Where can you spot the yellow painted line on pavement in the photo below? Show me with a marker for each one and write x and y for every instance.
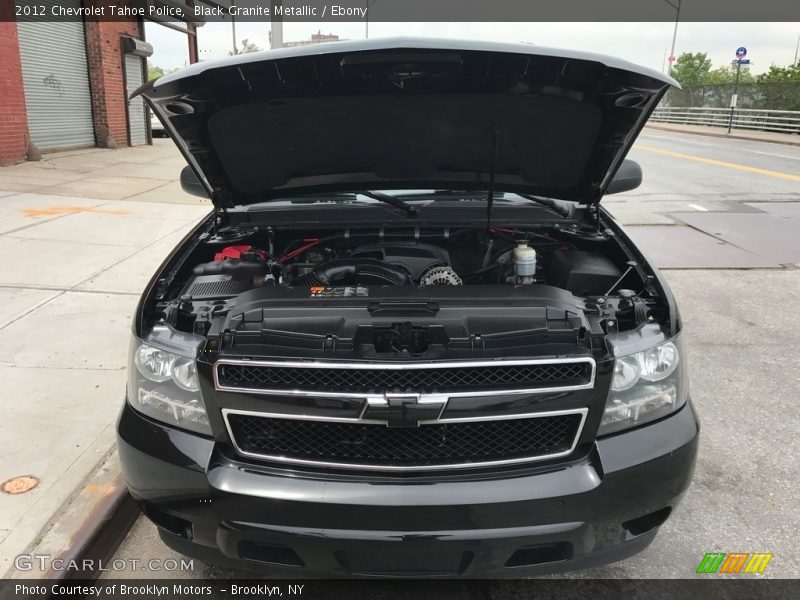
(720, 163)
(51, 211)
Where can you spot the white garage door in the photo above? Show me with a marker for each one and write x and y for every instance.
(56, 82)
(137, 112)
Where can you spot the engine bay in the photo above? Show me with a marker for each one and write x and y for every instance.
(422, 292)
(423, 258)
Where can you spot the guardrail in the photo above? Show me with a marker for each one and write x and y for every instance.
(783, 121)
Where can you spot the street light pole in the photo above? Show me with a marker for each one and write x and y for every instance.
(674, 33)
(276, 28)
(368, 4)
(233, 29)
(796, 50)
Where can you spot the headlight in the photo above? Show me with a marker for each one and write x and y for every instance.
(153, 363)
(184, 374)
(164, 385)
(646, 386)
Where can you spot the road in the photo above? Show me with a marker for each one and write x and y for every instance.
(744, 362)
(709, 165)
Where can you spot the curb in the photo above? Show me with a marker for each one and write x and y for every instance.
(734, 136)
(99, 535)
(86, 530)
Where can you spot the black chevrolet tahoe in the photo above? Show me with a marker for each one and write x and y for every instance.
(408, 340)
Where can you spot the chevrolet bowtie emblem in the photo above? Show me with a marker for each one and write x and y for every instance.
(404, 410)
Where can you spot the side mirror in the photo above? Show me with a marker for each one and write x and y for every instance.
(191, 184)
(628, 177)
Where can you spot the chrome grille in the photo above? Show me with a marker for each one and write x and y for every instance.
(399, 428)
(442, 444)
(370, 378)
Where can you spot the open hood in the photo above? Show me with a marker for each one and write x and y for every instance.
(406, 113)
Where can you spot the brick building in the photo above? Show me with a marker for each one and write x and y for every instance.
(66, 84)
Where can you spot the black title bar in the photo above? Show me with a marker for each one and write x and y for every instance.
(333, 11)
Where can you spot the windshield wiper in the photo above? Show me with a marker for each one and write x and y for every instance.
(391, 200)
(549, 203)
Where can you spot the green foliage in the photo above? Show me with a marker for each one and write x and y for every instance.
(694, 68)
(154, 72)
(691, 68)
(778, 89)
(783, 87)
(777, 74)
(722, 75)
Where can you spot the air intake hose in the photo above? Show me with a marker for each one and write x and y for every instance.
(362, 271)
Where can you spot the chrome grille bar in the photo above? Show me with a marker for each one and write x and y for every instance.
(290, 460)
(586, 381)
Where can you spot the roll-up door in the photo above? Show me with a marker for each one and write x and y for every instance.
(56, 81)
(137, 111)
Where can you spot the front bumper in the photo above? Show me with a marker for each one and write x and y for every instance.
(602, 508)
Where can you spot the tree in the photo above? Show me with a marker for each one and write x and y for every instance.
(691, 68)
(247, 48)
(703, 86)
(777, 89)
(781, 74)
(781, 87)
(154, 72)
(726, 75)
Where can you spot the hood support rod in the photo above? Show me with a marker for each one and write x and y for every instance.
(492, 172)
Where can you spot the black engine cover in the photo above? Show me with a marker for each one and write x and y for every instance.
(416, 258)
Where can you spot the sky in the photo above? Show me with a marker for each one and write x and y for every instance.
(646, 44)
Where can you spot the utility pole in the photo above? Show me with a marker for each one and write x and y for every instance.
(368, 4)
(233, 29)
(276, 39)
(677, 8)
(796, 49)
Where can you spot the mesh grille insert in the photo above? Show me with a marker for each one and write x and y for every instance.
(437, 444)
(495, 377)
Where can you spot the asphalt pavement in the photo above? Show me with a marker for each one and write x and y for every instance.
(739, 309)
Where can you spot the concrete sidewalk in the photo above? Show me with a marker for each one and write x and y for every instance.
(143, 174)
(736, 134)
(81, 233)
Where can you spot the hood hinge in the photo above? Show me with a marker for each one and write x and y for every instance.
(220, 219)
(594, 208)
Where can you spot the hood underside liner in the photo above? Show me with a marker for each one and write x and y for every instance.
(398, 115)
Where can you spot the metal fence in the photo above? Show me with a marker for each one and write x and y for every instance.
(783, 121)
(774, 95)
